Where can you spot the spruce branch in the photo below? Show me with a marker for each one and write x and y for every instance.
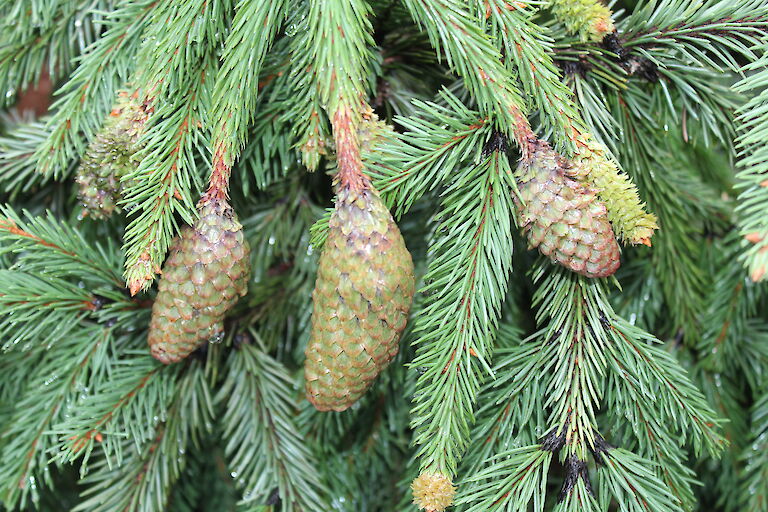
(43, 36)
(144, 480)
(579, 498)
(57, 378)
(514, 482)
(677, 45)
(67, 282)
(178, 37)
(649, 376)
(576, 484)
(755, 480)
(655, 371)
(465, 283)
(682, 201)
(437, 140)
(725, 393)
(495, 391)
(340, 67)
(511, 407)
(753, 177)
(53, 248)
(87, 96)
(283, 270)
(571, 310)
(707, 33)
(37, 310)
(18, 158)
(591, 100)
(218, 493)
(262, 443)
(630, 479)
(180, 42)
(689, 94)
(121, 408)
(269, 154)
(470, 53)
(529, 50)
(241, 64)
(303, 110)
(340, 70)
(632, 407)
(163, 184)
(727, 321)
(711, 36)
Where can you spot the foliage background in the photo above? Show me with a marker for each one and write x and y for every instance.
(667, 363)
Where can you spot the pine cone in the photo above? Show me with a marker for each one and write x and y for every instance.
(563, 217)
(363, 292)
(630, 222)
(205, 274)
(109, 157)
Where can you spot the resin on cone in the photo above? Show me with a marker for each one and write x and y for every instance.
(361, 300)
(205, 274)
(562, 217)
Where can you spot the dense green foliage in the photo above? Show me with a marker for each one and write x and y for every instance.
(531, 387)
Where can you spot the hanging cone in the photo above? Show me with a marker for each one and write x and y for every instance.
(563, 217)
(110, 156)
(363, 292)
(205, 274)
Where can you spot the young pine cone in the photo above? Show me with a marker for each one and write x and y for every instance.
(109, 157)
(563, 217)
(205, 274)
(630, 222)
(362, 295)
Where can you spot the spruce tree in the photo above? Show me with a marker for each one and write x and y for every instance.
(474, 255)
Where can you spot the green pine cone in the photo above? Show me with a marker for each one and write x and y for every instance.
(99, 180)
(361, 300)
(205, 274)
(590, 19)
(109, 157)
(563, 217)
(631, 223)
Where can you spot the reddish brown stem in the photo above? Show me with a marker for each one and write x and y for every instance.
(218, 184)
(350, 173)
